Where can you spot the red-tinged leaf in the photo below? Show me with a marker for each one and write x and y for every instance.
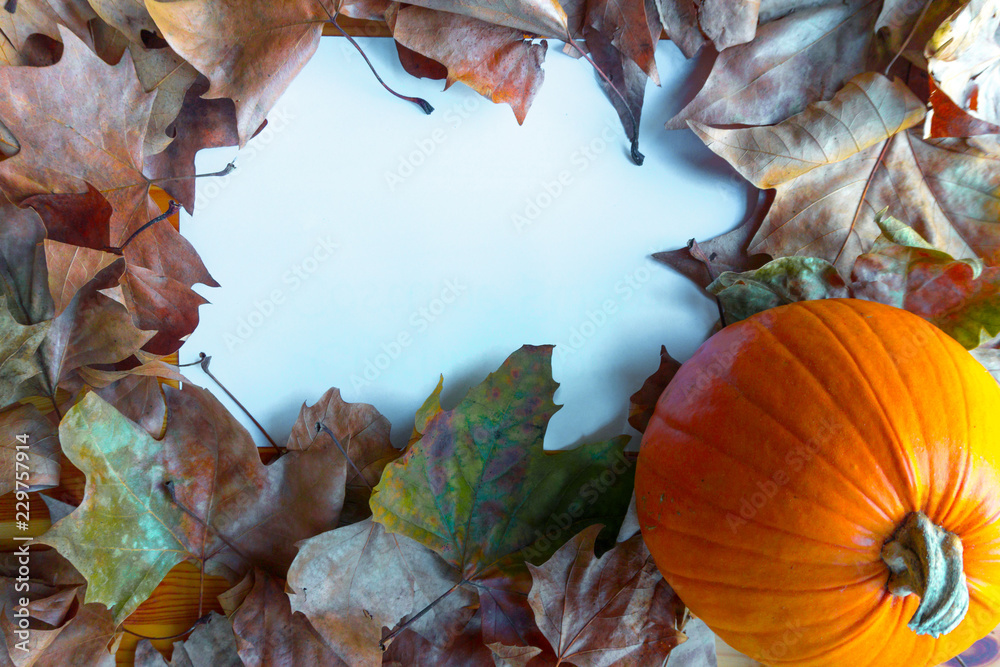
(43, 449)
(946, 119)
(643, 402)
(419, 65)
(201, 123)
(269, 634)
(75, 219)
(961, 301)
(540, 17)
(964, 59)
(804, 57)
(71, 267)
(163, 304)
(91, 138)
(210, 644)
(353, 581)
(20, 29)
(495, 61)
(363, 433)
(626, 25)
(612, 610)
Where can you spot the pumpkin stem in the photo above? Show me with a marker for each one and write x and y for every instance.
(926, 560)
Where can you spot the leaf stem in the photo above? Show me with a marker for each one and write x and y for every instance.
(225, 171)
(203, 362)
(321, 427)
(637, 157)
(384, 643)
(419, 101)
(172, 208)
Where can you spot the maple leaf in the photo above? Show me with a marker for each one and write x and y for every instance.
(462, 489)
(139, 398)
(107, 154)
(42, 454)
(201, 493)
(827, 209)
(964, 59)
(269, 633)
(71, 267)
(18, 344)
(803, 57)
(200, 124)
(598, 612)
(363, 433)
(546, 18)
(352, 581)
(211, 643)
(495, 61)
(19, 29)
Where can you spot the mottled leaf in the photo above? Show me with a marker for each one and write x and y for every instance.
(779, 282)
(495, 61)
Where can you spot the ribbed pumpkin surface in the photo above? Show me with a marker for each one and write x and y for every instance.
(786, 452)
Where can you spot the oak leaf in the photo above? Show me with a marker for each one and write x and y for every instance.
(20, 28)
(643, 402)
(612, 610)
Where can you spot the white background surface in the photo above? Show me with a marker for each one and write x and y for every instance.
(413, 203)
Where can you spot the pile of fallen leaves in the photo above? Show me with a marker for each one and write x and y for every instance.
(870, 126)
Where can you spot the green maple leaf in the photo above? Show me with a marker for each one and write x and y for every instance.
(123, 510)
(478, 489)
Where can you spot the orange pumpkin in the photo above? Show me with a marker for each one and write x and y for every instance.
(820, 483)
